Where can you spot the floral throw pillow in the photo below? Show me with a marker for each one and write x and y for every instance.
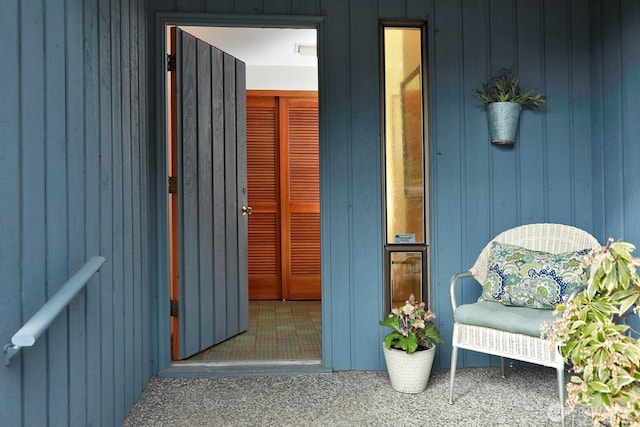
(521, 277)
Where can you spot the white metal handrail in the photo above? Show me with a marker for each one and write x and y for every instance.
(39, 322)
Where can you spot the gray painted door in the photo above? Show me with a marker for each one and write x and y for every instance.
(211, 128)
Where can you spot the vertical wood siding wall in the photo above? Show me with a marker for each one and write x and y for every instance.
(73, 184)
(572, 163)
(615, 83)
(75, 163)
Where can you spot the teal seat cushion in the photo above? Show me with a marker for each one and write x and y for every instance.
(519, 320)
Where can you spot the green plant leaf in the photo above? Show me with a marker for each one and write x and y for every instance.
(624, 274)
(578, 324)
(431, 333)
(600, 387)
(408, 344)
(622, 249)
(390, 338)
(391, 322)
(628, 302)
(607, 265)
(624, 380)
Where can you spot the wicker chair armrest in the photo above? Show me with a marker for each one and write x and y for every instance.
(574, 292)
(452, 284)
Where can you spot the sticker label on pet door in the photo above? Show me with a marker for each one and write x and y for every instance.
(405, 238)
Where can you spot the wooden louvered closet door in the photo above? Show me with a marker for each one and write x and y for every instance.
(262, 195)
(300, 198)
(284, 193)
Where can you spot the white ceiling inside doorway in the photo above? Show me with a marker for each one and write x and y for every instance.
(260, 46)
(270, 54)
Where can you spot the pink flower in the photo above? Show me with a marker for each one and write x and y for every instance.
(407, 309)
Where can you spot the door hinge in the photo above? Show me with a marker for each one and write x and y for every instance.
(173, 307)
(173, 185)
(171, 62)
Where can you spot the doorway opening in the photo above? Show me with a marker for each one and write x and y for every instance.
(281, 197)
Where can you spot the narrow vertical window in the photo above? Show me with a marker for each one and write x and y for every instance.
(405, 160)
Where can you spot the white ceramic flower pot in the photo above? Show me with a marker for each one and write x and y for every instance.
(409, 373)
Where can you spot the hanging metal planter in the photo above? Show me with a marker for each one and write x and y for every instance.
(504, 100)
(503, 122)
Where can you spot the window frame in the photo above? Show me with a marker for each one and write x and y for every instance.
(425, 246)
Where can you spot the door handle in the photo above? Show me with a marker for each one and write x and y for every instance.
(246, 210)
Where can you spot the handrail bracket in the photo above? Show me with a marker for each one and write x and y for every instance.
(10, 350)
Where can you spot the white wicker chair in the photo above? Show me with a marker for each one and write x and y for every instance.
(553, 238)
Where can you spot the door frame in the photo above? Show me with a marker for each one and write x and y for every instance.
(160, 304)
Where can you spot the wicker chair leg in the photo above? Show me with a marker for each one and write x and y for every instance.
(561, 391)
(502, 366)
(452, 374)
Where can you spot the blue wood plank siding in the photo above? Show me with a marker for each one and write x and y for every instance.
(557, 171)
(615, 112)
(80, 160)
(11, 238)
(73, 175)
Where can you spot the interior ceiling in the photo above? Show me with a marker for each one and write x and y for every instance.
(260, 46)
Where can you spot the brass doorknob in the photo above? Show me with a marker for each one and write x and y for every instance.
(246, 210)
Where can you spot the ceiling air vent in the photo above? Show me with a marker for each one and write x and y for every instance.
(305, 49)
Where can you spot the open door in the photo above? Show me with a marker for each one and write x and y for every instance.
(209, 104)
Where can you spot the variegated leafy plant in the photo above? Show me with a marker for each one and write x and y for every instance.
(597, 337)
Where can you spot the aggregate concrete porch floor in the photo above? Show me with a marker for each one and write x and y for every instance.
(526, 397)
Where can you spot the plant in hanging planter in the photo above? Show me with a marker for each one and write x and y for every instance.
(506, 88)
(410, 348)
(504, 100)
(596, 339)
(413, 327)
